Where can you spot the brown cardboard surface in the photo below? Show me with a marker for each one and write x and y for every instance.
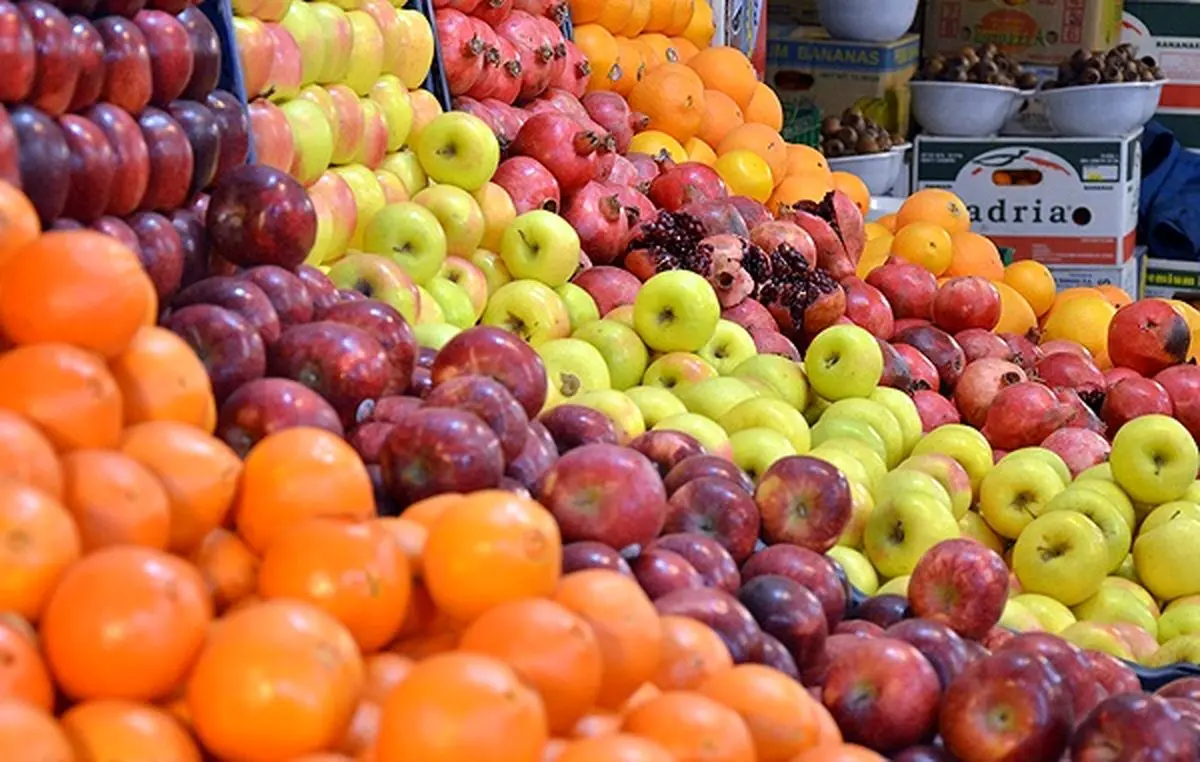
(1033, 31)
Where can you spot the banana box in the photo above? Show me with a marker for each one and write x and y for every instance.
(1170, 32)
(1127, 276)
(1173, 279)
(1060, 201)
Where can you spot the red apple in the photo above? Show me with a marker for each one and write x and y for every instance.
(390, 409)
(438, 450)
(271, 134)
(923, 753)
(204, 136)
(807, 568)
(719, 508)
(962, 584)
(942, 646)
(610, 287)
(803, 501)
(859, 628)
(127, 8)
(1184, 688)
(45, 161)
(261, 216)
(666, 449)
(1182, 383)
(1083, 692)
(775, 656)
(368, 440)
(1114, 675)
(171, 160)
(267, 405)
(238, 295)
(1140, 725)
(119, 229)
(256, 53)
(194, 238)
(494, 352)
(320, 288)
(578, 556)
(90, 50)
(161, 251)
(789, 612)
(127, 74)
(537, 455)
(1132, 398)
(171, 54)
(723, 613)
(10, 160)
(132, 157)
(1148, 336)
(230, 347)
(58, 58)
(388, 327)
(573, 426)
(883, 610)
(707, 556)
(699, 466)
(93, 168)
(494, 405)
(286, 292)
(233, 122)
(206, 54)
(18, 55)
(660, 571)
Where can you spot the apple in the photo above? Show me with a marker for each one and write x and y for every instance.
(347, 120)
(171, 161)
(313, 139)
(804, 501)
(714, 564)
(304, 25)
(493, 352)
(611, 287)
(459, 214)
(93, 168)
(469, 278)
(879, 418)
(807, 568)
(857, 568)
(337, 215)
(622, 314)
(413, 67)
(394, 191)
(1154, 459)
(963, 443)
(387, 326)
(1149, 724)
(714, 397)
(1061, 554)
(160, 250)
(789, 612)
(571, 426)
(405, 165)
(828, 429)
(657, 404)
(721, 612)
(542, 246)
(389, 95)
(274, 144)
(1117, 535)
(457, 309)
(1161, 559)
(580, 305)
(573, 367)
(238, 295)
(89, 50)
(530, 310)
(372, 149)
(756, 449)
(287, 293)
(377, 277)
(19, 59)
(57, 57)
(718, 508)
(1052, 615)
(410, 235)
(945, 650)
(368, 196)
(785, 377)
(1116, 606)
(660, 571)
(1113, 494)
(287, 70)
(498, 212)
(624, 413)
(676, 311)
(902, 528)
(494, 405)
(729, 347)
(259, 215)
(267, 405)
(948, 473)
(677, 369)
(1016, 492)
(460, 149)
(366, 62)
(1178, 509)
(902, 407)
(764, 412)
(842, 362)
(1180, 618)
(256, 52)
(171, 54)
(229, 345)
(880, 611)
(666, 449)
(205, 47)
(338, 35)
(579, 556)
(961, 584)
(436, 450)
(271, 10)
(1042, 455)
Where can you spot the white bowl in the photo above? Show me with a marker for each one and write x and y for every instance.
(867, 20)
(879, 171)
(882, 206)
(1101, 111)
(963, 109)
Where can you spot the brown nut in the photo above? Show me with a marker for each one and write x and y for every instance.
(867, 144)
(830, 126)
(848, 135)
(834, 148)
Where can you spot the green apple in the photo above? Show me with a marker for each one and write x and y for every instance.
(850, 466)
(456, 305)
(843, 361)
(493, 269)
(573, 367)
(879, 418)
(428, 309)
(409, 234)
(1100, 471)
(392, 97)
(470, 279)
(368, 197)
(755, 450)
(580, 305)
(780, 373)
(1048, 456)
(1192, 493)
(973, 527)
(676, 311)
(705, 430)
(949, 474)
(1142, 594)
(656, 403)
(847, 428)
(1154, 459)
(541, 246)
(498, 213)
(1018, 618)
(1117, 538)
(1053, 616)
(860, 510)
(1181, 617)
(858, 569)
(529, 309)
(815, 409)
(675, 369)
(964, 444)
(1185, 648)
(336, 29)
(435, 335)
(1111, 604)
(1176, 509)
(915, 482)
(313, 139)
(461, 218)
(1165, 559)
(458, 149)
(624, 412)
(765, 412)
(902, 406)
(729, 347)
(378, 278)
(621, 348)
(1127, 570)
(1015, 493)
(305, 27)
(366, 63)
(714, 397)
(895, 586)
(405, 165)
(1114, 494)
(867, 457)
(622, 314)
(902, 527)
(1096, 636)
(1062, 555)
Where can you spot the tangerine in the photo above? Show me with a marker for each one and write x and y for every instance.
(1035, 282)
(1016, 316)
(38, 541)
(27, 456)
(692, 726)
(746, 174)
(672, 96)
(115, 500)
(765, 108)
(803, 159)
(940, 207)
(162, 379)
(600, 47)
(1083, 320)
(631, 64)
(23, 674)
(685, 49)
(28, 733)
(924, 244)
(116, 729)
(839, 753)
(1115, 295)
(656, 143)
(700, 28)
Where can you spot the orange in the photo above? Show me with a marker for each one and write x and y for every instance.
(127, 730)
(29, 733)
(23, 674)
(297, 474)
(721, 116)
(875, 254)
(664, 49)
(763, 141)
(693, 727)
(199, 472)
(461, 706)
(1034, 281)
(700, 28)
(853, 186)
(38, 541)
(700, 152)
(924, 244)
(625, 624)
(839, 753)
(888, 221)
(586, 11)
(68, 392)
(1083, 320)
(550, 648)
(802, 159)
(614, 15)
(777, 709)
(765, 108)
(809, 186)
(79, 287)
(490, 548)
(672, 96)
(727, 70)
(941, 207)
(1016, 316)
(19, 225)
(637, 19)
(229, 568)
(746, 174)
(598, 44)
(27, 456)
(1115, 295)
(162, 379)
(426, 512)
(615, 748)
(384, 671)
(660, 15)
(1075, 292)
(356, 572)
(681, 15)
(655, 143)
(651, 56)
(691, 653)
(115, 500)
(685, 48)
(632, 64)
(410, 537)
(974, 254)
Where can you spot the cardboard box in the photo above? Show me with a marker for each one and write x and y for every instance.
(1033, 31)
(1061, 201)
(1173, 279)
(1170, 31)
(1127, 276)
(815, 75)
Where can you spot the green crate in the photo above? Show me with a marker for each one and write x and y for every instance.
(802, 123)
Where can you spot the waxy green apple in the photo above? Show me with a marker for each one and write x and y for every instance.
(756, 449)
(1165, 559)
(843, 361)
(916, 482)
(1049, 457)
(1015, 493)
(1062, 555)
(458, 148)
(461, 218)
(1095, 636)
(949, 474)
(492, 267)
(714, 397)
(843, 461)
(781, 374)
(1053, 616)
(729, 347)
(676, 311)
(378, 278)
(1117, 537)
(542, 246)
(580, 305)
(1114, 494)
(860, 510)
(879, 418)
(765, 412)
(656, 403)
(457, 309)
(705, 430)
(428, 309)
(392, 97)
(902, 527)
(368, 197)
(470, 279)
(870, 460)
(573, 367)
(895, 586)
(676, 369)
(622, 314)
(848, 428)
(529, 309)
(1180, 617)
(435, 335)
(975, 528)
(1111, 605)
(622, 350)
(410, 235)
(498, 213)
(366, 62)
(1176, 509)
(858, 569)
(1017, 618)
(624, 412)
(964, 444)
(902, 406)
(405, 165)
(1154, 459)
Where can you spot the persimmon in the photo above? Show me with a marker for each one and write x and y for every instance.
(115, 500)
(38, 541)
(101, 730)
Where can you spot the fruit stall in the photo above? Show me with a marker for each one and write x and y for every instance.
(541, 381)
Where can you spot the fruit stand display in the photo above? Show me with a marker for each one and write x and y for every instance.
(588, 421)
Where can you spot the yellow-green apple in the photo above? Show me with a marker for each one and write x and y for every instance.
(1048, 456)
(656, 403)
(1142, 594)
(1017, 618)
(902, 406)
(1176, 509)
(1154, 459)
(530, 310)
(245, 8)
(781, 374)
(1180, 617)
(350, 128)
(321, 97)
(1102, 471)
(868, 458)
(1165, 559)
(864, 503)
(410, 235)
(272, 10)
(435, 335)
(858, 569)
(848, 428)
(377, 278)
(306, 29)
(974, 527)
(389, 93)
(393, 189)
(879, 418)
(1111, 605)
(1117, 538)
(714, 397)
(843, 361)
(843, 461)
(284, 82)
(580, 305)
(766, 412)
(949, 474)
(460, 216)
(803, 501)
(390, 28)
(572, 368)
(492, 267)
(368, 197)
(706, 431)
(469, 278)
(405, 165)
(457, 308)
(728, 348)
(625, 414)
(271, 134)
(895, 586)
(459, 149)
(675, 369)
(425, 108)
(1015, 493)
(313, 139)
(255, 51)
(622, 350)
(1127, 570)
(1097, 636)
(964, 444)
(756, 449)
(623, 314)
(413, 66)
(366, 62)
(902, 527)
(1192, 493)
(540, 245)
(1185, 648)
(373, 148)
(337, 215)
(498, 213)
(1114, 494)
(917, 482)
(428, 309)
(1053, 616)
(676, 311)
(339, 40)
(1142, 644)
(1062, 555)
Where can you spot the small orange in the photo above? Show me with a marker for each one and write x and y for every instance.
(115, 500)
(426, 512)
(691, 653)
(650, 54)
(685, 49)
(700, 152)
(853, 186)
(1016, 316)
(681, 15)
(23, 674)
(924, 244)
(637, 19)
(727, 70)
(974, 254)
(888, 221)
(19, 225)
(721, 116)
(38, 541)
(765, 108)
(27, 456)
(1083, 320)
(764, 141)
(692, 726)
(615, 748)
(660, 15)
(162, 379)
(664, 49)
(802, 159)
(1035, 282)
(1115, 295)
(632, 65)
(410, 537)
(615, 15)
(776, 708)
(672, 96)
(746, 174)
(941, 207)
(809, 186)
(600, 47)
(29, 733)
(700, 28)
(228, 567)
(839, 753)
(655, 143)
(127, 730)
(586, 11)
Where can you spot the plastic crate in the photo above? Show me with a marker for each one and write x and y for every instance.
(802, 123)
(435, 82)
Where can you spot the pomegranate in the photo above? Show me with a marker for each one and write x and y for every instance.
(569, 104)
(1024, 351)
(751, 315)
(966, 302)
(463, 50)
(600, 220)
(868, 308)
(1133, 398)
(753, 212)
(505, 81)
(558, 43)
(1148, 336)
(492, 12)
(724, 254)
(934, 409)
(529, 184)
(554, 10)
(1182, 383)
(610, 287)
(717, 217)
(924, 373)
(978, 343)
(1065, 345)
(686, 183)
(941, 349)
(647, 168)
(909, 288)
(611, 111)
(1079, 415)
(1065, 370)
(534, 48)
(491, 41)
(1023, 415)
(462, 6)
(563, 107)
(616, 169)
(508, 120)
(775, 343)
(664, 241)
(896, 371)
(576, 72)
(1080, 449)
(837, 228)
(636, 204)
(770, 235)
(981, 381)
(471, 106)
(1114, 376)
(562, 146)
